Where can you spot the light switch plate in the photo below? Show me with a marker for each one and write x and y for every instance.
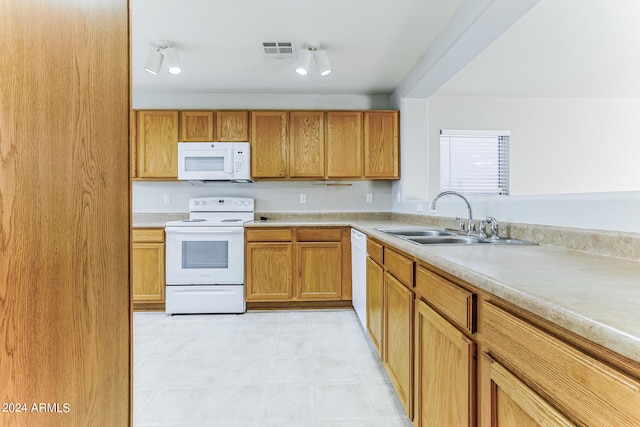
(369, 197)
(303, 198)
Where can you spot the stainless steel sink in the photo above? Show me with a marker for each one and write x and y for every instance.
(416, 232)
(442, 236)
(439, 240)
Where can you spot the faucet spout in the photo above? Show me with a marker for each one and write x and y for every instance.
(455, 193)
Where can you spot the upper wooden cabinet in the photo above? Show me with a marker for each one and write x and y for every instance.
(156, 148)
(284, 144)
(196, 126)
(306, 144)
(381, 145)
(269, 144)
(232, 126)
(344, 144)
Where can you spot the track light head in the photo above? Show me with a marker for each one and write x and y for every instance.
(312, 50)
(156, 56)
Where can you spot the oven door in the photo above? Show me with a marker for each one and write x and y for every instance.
(205, 255)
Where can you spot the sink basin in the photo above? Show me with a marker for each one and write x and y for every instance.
(417, 232)
(439, 240)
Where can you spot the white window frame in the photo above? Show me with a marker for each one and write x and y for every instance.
(474, 161)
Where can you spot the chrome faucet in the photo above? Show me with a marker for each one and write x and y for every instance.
(470, 226)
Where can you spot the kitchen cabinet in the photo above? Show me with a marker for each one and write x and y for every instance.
(232, 126)
(297, 264)
(306, 144)
(269, 264)
(445, 372)
(269, 143)
(375, 298)
(381, 145)
(344, 145)
(196, 126)
(398, 339)
(319, 264)
(532, 377)
(148, 268)
(156, 147)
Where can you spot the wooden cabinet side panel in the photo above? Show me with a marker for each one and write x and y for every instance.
(381, 145)
(445, 378)
(269, 144)
(344, 144)
(232, 126)
(374, 303)
(157, 140)
(269, 271)
(584, 389)
(196, 126)
(306, 144)
(398, 339)
(319, 270)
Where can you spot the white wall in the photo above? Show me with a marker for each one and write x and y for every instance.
(605, 210)
(271, 196)
(557, 145)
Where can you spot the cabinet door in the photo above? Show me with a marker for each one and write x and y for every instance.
(381, 145)
(269, 271)
(319, 270)
(445, 381)
(196, 126)
(269, 144)
(148, 272)
(398, 339)
(344, 144)
(306, 144)
(232, 126)
(157, 142)
(375, 298)
(509, 402)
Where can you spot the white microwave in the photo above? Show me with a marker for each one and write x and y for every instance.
(214, 161)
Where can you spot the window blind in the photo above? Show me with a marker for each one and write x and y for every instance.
(474, 162)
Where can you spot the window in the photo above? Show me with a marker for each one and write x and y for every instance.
(474, 162)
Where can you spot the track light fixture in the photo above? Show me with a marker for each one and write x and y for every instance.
(161, 51)
(312, 50)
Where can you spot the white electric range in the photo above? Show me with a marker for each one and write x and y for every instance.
(205, 257)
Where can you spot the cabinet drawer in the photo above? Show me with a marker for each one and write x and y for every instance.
(400, 266)
(374, 249)
(270, 235)
(585, 389)
(448, 298)
(143, 235)
(319, 235)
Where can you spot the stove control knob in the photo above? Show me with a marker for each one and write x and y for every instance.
(196, 203)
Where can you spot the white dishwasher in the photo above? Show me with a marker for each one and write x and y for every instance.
(359, 274)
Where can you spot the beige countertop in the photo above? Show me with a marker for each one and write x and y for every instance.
(594, 296)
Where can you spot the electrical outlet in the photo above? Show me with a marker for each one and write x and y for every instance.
(369, 197)
(420, 207)
(167, 198)
(303, 198)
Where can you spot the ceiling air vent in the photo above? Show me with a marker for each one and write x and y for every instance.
(278, 50)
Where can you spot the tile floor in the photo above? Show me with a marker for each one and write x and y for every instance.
(310, 368)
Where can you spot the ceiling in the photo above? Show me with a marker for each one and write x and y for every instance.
(371, 49)
(585, 48)
(560, 48)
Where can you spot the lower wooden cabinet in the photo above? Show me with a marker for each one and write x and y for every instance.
(269, 273)
(398, 339)
(565, 383)
(148, 271)
(297, 264)
(375, 298)
(445, 377)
